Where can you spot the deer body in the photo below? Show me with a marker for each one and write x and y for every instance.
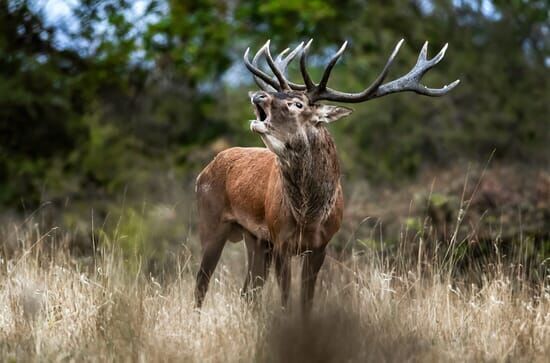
(248, 189)
(286, 199)
(283, 205)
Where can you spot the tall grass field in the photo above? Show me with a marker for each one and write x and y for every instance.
(370, 306)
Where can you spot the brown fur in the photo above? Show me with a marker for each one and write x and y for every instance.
(284, 202)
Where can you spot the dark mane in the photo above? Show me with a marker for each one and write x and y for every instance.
(310, 171)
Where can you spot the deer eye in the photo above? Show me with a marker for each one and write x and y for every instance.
(298, 104)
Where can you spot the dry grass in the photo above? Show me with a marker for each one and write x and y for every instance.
(53, 308)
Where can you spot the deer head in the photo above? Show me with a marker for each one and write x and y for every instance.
(284, 116)
(286, 110)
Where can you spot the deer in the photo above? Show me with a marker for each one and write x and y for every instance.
(286, 199)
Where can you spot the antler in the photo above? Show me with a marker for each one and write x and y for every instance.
(408, 82)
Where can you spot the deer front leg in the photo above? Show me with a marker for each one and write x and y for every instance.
(212, 250)
(282, 269)
(259, 260)
(310, 269)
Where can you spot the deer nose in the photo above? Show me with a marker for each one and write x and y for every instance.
(259, 98)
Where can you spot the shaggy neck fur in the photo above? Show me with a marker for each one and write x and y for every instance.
(310, 173)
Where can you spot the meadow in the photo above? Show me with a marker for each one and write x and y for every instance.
(109, 109)
(369, 307)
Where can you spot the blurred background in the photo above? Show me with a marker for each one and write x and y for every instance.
(110, 108)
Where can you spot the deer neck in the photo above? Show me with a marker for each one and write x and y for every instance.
(310, 175)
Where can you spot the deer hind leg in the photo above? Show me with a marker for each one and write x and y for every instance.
(282, 269)
(212, 246)
(310, 269)
(259, 261)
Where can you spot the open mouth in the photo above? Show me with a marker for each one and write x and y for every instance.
(261, 108)
(260, 113)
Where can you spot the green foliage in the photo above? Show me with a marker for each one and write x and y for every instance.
(191, 40)
(144, 233)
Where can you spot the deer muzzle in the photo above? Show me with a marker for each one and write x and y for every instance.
(260, 100)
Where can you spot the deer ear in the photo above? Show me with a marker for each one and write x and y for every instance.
(330, 113)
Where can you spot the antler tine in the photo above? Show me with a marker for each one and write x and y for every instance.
(280, 77)
(423, 55)
(382, 76)
(279, 58)
(326, 74)
(283, 65)
(282, 62)
(439, 55)
(257, 72)
(436, 92)
(303, 67)
(263, 85)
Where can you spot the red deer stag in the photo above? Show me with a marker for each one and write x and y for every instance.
(286, 199)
